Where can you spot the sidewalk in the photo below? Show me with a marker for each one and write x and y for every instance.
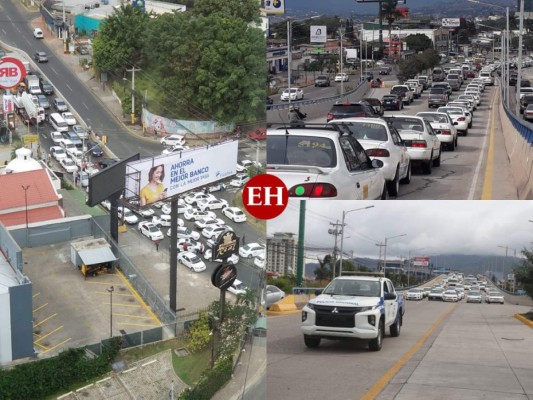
(251, 367)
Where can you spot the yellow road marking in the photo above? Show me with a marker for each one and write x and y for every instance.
(375, 390)
(38, 308)
(40, 345)
(124, 305)
(36, 334)
(48, 334)
(138, 297)
(104, 283)
(57, 345)
(489, 171)
(44, 320)
(115, 294)
(152, 325)
(36, 294)
(129, 316)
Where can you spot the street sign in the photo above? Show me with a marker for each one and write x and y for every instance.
(275, 6)
(451, 22)
(318, 33)
(12, 71)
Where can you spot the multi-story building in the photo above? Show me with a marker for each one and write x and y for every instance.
(281, 253)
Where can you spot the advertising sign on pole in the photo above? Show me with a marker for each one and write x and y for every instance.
(275, 6)
(451, 22)
(421, 262)
(12, 71)
(7, 104)
(318, 33)
(154, 179)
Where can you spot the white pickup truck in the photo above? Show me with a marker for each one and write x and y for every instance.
(354, 307)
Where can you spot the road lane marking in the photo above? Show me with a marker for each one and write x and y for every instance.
(48, 334)
(55, 72)
(69, 87)
(129, 315)
(41, 346)
(44, 320)
(486, 194)
(480, 160)
(123, 305)
(36, 294)
(57, 345)
(38, 308)
(85, 105)
(132, 324)
(3, 30)
(375, 390)
(116, 294)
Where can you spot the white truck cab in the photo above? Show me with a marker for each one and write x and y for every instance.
(360, 306)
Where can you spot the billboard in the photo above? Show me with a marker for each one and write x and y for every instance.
(275, 6)
(318, 33)
(154, 179)
(451, 22)
(421, 262)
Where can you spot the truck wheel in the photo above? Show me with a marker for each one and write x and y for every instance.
(375, 344)
(397, 326)
(311, 341)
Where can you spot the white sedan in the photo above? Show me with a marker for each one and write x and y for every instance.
(194, 214)
(295, 94)
(385, 144)
(127, 215)
(234, 213)
(56, 137)
(239, 180)
(251, 250)
(212, 231)
(211, 204)
(172, 140)
(458, 116)
(174, 149)
(191, 261)
(167, 208)
(242, 166)
(342, 77)
(260, 261)
(188, 244)
(69, 118)
(205, 222)
(146, 212)
(184, 232)
(422, 143)
(194, 197)
(58, 152)
(233, 259)
(149, 230)
(163, 220)
(69, 165)
(443, 126)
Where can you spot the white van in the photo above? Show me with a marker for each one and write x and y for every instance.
(58, 122)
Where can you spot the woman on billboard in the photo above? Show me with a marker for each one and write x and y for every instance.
(154, 190)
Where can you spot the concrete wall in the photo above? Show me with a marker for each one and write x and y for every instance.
(21, 321)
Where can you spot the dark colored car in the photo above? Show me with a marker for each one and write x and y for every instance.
(94, 148)
(350, 110)
(385, 70)
(376, 105)
(525, 101)
(525, 83)
(368, 75)
(40, 57)
(437, 97)
(46, 87)
(322, 80)
(444, 85)
(392, 102)
(513, 78)
(43, 101)
(106, 162)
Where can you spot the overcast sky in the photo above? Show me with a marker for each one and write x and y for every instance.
(437, 227)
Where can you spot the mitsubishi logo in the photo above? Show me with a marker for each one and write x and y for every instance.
(335, 311)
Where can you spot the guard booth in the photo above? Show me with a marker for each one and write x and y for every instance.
(92, 256)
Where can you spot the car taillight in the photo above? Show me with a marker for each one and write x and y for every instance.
(461, 119)
(378, 152)
(313, 190)
(444, 97)
(329, 117)
(445, 132)
(418, 143)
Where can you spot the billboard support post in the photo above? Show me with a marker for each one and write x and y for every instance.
(173, 253)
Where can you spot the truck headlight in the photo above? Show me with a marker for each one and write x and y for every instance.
(304, 316)
(370, 308)
(372, 320)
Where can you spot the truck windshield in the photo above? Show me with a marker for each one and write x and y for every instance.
(353, 288)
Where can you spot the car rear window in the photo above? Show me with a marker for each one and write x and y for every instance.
(436, 91)
(413, 124)
(374, 102)
(347, 108)
(367, 131)
(301, 150)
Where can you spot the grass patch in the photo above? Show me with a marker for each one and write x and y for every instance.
(259, 224)
(191, 367)
(139, 353)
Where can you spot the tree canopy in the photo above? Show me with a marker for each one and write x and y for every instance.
(208, 63)
(524, 273)
(418, 42)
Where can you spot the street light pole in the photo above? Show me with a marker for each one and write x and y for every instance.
(344, 213)
(289, 56)
(111, 289)
(25, 188)
(341, 33)
(385, 250)
(519, 77)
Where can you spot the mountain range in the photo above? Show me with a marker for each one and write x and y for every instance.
(355, 10)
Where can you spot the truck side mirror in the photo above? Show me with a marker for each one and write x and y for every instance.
(390, 296)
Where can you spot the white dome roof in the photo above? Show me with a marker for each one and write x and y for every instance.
(23, 162)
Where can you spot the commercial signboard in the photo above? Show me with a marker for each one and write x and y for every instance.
(12, 71)
(421, 262)
(451, 22)
(318, 33)
(275, 6)
(154, 179)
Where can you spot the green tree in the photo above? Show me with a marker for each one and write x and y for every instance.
(418, 42)
(524, 273)
(391, 14)
(199, 334)
(243, 10)
(119, 44)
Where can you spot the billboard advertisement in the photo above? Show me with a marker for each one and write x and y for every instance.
(155, 179)
(318, 33)
(421, 262)
(275, 6)
(451, 22)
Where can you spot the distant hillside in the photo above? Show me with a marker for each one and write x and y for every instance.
(468, 264)
(454, 8)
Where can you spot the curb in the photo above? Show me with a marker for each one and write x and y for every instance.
(524, 320)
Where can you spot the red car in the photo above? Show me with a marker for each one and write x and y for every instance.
(259, 134)
(470, 74)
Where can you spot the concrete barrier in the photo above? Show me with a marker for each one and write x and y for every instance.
(285, 305)
(524, 320)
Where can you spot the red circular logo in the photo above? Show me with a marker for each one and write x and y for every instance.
(12, 71)
(265, 196)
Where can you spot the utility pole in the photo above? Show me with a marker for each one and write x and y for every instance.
(380, 265)
(335, 232)
(133, 92)
(301, 237)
